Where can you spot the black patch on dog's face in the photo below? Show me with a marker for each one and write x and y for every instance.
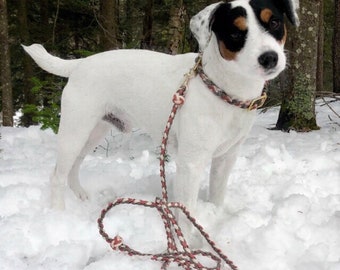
(270, 16)
(230, 27)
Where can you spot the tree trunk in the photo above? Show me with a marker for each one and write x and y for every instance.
(177, 27)
(29, 98)
(321, 42)
(298, 105)
(45, 28)
(336, 48)
(5, 68)
(109, 14)
(128, 33)
(146, 42)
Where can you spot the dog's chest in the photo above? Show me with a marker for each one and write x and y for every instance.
(235, 123)
(212, 122)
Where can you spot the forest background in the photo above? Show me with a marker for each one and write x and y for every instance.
(79, 28)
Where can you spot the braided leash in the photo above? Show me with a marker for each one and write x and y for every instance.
(184, 258)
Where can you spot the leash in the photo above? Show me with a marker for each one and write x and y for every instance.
(182, 255)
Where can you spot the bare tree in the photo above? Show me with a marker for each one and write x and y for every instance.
(177, 27)
(109, 17)
(26, 119)
(5, 69)
(146, 42)
(336, 48)
(321, 42)
(298, 104)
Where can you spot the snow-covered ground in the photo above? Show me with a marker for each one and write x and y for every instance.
(282, 207)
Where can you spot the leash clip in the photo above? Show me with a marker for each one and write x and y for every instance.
(193, 71)
(178, 98)
(258, 102)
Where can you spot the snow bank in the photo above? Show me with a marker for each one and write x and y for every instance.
(282, 207)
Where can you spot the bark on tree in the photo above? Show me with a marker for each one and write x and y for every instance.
(298, 104)
(146, 42)
(177, 27)
(336, 48)
(55, 22)
(29, 98)
(45, 28)
(5, 70)
(321, 42)
(109, 16)
(127, 23)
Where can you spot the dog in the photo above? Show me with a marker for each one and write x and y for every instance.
(242, 46)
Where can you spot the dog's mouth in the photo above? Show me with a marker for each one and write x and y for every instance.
(269, 74)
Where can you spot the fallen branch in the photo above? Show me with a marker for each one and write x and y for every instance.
(330, 107)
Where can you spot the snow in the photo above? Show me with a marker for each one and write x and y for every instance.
(281, 211)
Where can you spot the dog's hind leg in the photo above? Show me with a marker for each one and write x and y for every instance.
(97, 134)
(75, 137)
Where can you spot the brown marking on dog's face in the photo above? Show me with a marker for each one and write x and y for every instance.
(241, 23)
(226, 54)
(231, 29)
(265, 15)
(270, 16)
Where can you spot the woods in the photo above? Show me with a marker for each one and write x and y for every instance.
(5, 78)
(73, 29)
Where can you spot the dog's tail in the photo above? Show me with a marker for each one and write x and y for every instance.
(50, 63)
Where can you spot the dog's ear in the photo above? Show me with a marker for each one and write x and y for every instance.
(200, 25)
(290, 8)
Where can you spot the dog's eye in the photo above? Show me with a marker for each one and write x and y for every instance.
(274, 24)
(237, 36)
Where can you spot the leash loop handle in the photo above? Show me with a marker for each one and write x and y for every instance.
(185, 257)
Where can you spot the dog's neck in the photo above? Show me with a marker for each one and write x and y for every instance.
(221, 72)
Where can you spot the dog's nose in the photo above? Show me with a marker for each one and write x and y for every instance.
(268, 59)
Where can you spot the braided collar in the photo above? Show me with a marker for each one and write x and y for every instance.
(250, 105)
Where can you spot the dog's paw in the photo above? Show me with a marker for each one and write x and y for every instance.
(82, 195)
(79, 192)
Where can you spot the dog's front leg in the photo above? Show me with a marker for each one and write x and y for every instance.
(187, 183)
(190, 171)
(221, 167)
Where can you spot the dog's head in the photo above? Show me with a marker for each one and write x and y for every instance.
(250, 34)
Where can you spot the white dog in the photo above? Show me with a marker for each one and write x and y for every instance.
(242, 47)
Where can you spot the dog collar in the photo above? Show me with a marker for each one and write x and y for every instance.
(250, 105)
